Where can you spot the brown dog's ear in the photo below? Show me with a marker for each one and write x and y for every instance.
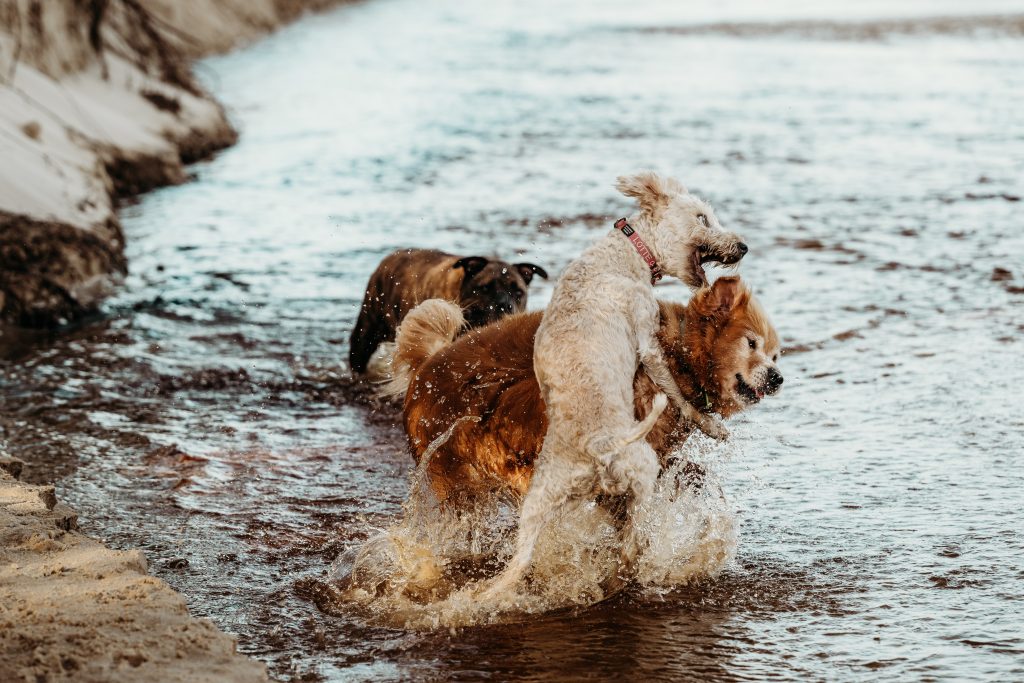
(526, 270)
(471, 264)
(724, 296)
(651, 191)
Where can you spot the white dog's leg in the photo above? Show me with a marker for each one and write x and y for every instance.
(554, 482)
(653, 360)
(638, 465)
(607, 449)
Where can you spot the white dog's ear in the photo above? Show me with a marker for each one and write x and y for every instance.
(675, 186)
(651, 191)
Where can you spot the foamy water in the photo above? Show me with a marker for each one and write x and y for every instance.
(870, 517)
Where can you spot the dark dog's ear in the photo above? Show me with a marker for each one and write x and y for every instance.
(528, 269)
(471, 264)
(724, 296)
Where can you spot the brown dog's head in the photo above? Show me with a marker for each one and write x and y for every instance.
(492, 289)
(733, 347)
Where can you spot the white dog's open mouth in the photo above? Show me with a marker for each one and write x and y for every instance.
(703, 254)
(697, 276)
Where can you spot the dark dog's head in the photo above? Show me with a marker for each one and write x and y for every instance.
(492, 289)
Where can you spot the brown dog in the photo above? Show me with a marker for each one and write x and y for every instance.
(477, 401)
(485, 289)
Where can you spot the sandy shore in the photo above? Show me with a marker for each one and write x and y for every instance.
(72, 609)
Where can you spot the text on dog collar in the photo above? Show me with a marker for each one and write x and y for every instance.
(642, 249)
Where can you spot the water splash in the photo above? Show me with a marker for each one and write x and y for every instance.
(424, 570)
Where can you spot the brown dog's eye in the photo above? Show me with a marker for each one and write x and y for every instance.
(703, 219)
(751, 343)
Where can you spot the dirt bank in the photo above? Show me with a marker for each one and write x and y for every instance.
(72, 609)
(98, 102)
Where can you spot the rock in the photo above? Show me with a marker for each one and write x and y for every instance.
(8, 463)
(26, 498)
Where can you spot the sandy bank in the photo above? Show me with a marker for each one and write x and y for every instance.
(72, 609)
(97, 102)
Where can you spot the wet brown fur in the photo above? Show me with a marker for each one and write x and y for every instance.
(488, 373)
(486, 289)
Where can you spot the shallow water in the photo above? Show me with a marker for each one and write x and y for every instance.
(875, 172)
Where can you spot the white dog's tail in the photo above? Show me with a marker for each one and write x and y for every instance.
(427, 329)
(606, 446)
(644, 426)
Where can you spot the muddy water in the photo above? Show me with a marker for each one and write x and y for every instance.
(875, 169)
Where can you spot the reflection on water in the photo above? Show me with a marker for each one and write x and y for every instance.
(206, 418)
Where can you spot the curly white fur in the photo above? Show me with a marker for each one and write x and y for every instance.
(599, 326)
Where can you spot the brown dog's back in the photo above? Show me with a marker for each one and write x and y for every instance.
(488, 374)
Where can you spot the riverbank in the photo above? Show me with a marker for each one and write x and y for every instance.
(97, 104)
(72, 609)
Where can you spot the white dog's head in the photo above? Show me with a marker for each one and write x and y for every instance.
(682, 229)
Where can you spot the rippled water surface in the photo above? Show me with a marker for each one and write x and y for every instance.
(874, 167)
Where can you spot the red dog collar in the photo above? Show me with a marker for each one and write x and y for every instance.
(641, 248)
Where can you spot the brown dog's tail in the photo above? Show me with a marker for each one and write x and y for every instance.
(427, 329)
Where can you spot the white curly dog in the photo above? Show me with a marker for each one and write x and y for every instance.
(599, 326)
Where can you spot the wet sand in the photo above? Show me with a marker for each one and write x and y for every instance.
(71, 609)
(206, 416)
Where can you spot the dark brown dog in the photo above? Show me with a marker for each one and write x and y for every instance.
(721, 350)
(485, 289)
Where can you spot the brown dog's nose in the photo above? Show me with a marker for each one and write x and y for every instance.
(774, 380)
(742, 248)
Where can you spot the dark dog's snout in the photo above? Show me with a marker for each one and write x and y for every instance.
(774, 380)
(505, 303)
(742, 249)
